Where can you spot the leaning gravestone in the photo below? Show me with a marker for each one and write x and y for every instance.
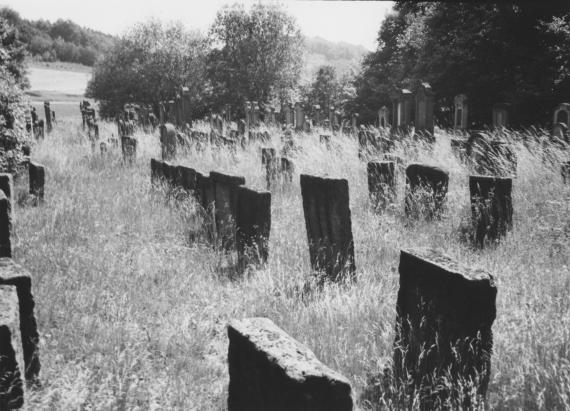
(253, 225)
(269, 370)
(329, 226)
(129, 149)
(443, 328)
(168, 141)
(225, 189)
(381, 183)
(11, 357)
(5, 226)
(426, 191)
(492, 207)
(37, 174)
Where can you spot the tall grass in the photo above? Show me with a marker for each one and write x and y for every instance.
(132, 314)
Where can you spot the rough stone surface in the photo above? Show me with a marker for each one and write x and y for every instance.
(253, 225)
(15, 275)
(426, 191)
(329, 225)
(491, 206)
(225, 205)
(168, 141)
(270, 371)
(444, 318)
(37, 180)
(129, 149)
(5, 226)
(11, 382)
(7, 185)
(381, 183)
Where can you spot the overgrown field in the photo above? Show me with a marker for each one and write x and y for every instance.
(132, 314)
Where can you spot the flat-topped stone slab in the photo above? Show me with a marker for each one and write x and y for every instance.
(269, 370)
(12, 385)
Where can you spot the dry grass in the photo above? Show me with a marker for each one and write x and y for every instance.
(132, 315)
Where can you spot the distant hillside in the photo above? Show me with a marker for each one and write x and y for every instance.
(342, 56)
(63, 40)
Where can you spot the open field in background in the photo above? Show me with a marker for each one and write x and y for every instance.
(132, 314)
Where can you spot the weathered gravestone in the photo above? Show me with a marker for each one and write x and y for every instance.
(299, 117)
(5, 225)
(501, 115)
(492, 207)
(329, 226)
(37, 174)
(169, 172)
(565, 171)
(381, 183)
(402, 110)
(168, 141)
(271, 371)
(7, 186)
(225, 189)
(186, 178)
(129, 150)
(287, 170)
(443, 328)
(426, 191)
(12, 274)
(12, 385)
(269, 161)
(253, 225)
(156, 172)
(47, 112)
(461, 112)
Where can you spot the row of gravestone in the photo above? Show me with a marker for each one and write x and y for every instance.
(19, 337)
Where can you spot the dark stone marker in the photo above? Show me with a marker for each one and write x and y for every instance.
(11, 359)
(426, 191)
(271, 371)
(37, 174)
(225, 189)
(169, 171)
(156, 171)
(381, 183)
(13, 274)
(565, 171)
(168, 141)
(186, 178)
(443, 325)
(47, 112)
(329, 226)
(5, 226)
(206, 190)
(7, 185)
(287, 170)
(491, 206)
(129, 149)
(253, 224)
(269, 160)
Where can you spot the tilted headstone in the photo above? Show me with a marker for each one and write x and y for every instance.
(129, 150)
(461, 112)
(269, 370)
(37, 174)
(426, 191)
(492, 207)
(47, 112)
(12, 386)
(381, 183)
(565, 171)
(329, 226)
(168, 141)
(443, 327)
(253, 225)
(12, 274)
(501, 115)
(225, 188)
(5, 226)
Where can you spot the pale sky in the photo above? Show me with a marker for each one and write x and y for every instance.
(355, 22)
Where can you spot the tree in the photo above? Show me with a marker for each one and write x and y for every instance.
(12, 53)
(150, 64)
(324, 90)
(258, 54)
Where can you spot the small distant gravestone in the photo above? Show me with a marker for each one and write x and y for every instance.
(381, 183)
(5, 225)
(168, 141)
(269, 160)
(129, 149)
(426, 191)
(443, 327)
(37, 174)
(565, 171)
(225, 189)
(307, 126)
(47, 112)
(329, 226)
(253, 225)
(287, 170)
(492, 207)
(269, 370)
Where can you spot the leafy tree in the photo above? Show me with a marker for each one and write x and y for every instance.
(325, 89)
(12, 53)
(150, 64)
(257, 54)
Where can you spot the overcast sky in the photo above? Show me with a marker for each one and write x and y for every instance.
(355, 22)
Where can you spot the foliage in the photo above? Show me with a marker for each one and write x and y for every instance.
(490, 52)
(258, 54)
(150, 63)
(62, 40)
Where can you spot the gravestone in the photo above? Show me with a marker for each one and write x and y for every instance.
(565, 171)
(287, 170)
(186, 106)
(354, 122)
(7, 186)
(299, 117)
(129, 150)
(492, 207)
(225, 189)
(443, 327)
(12, 387)
(560, 132)
(5, 225)
(426, 191)
(269, 370)
(383, 117)
(381, 183)
(562, 114)
(47, 112)
(156, 171)
(501, 115)
(186, 178)
(168, 141)
(255, 108)
(12, 274)
(253, 225)
(269, 161)
(307, 126)
(424, 111)
(329, 226)
(461, 112)
(37, 174)
(402, 110)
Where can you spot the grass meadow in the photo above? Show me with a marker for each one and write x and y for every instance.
(132, 313)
